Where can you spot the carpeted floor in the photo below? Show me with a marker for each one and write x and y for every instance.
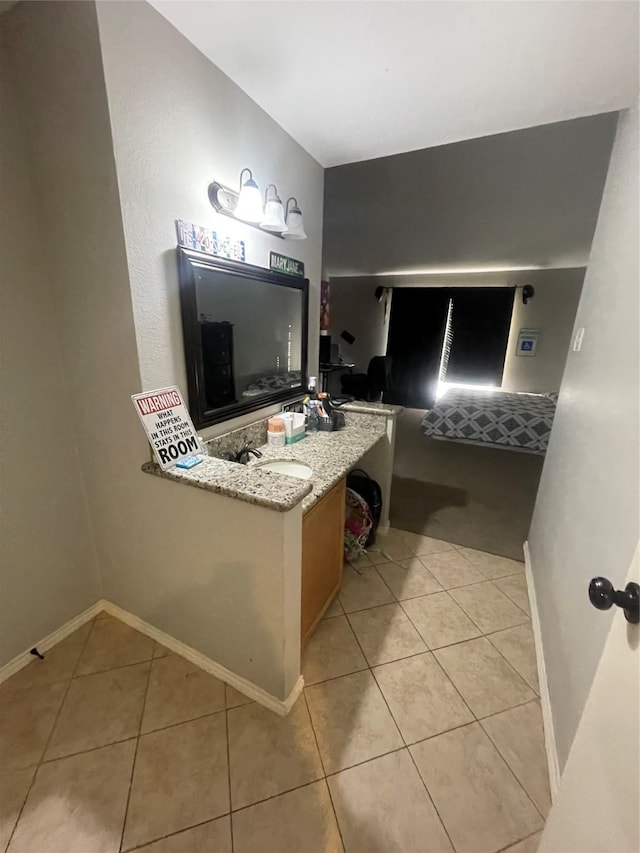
(463, 493)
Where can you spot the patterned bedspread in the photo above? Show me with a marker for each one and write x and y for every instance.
(496, 418)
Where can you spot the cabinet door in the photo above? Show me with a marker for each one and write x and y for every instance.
(322, 557)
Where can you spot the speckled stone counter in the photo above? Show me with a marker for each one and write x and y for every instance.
(329, 454)
(364, 408)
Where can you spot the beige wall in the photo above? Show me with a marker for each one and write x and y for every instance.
(59, 80)
(179, 123)
(552, 311)
(354, 307)
(587, 511)
(48, 565)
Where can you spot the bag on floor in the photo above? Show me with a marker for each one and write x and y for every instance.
(370, 491)
(358, 524)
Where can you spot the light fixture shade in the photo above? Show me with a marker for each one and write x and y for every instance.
(249, 206)
(273, 219)
(295, 225)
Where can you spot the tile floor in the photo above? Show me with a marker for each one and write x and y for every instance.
(419, 729)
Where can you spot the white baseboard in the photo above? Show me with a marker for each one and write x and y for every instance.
(248, 688)
(52, 639)
(545, 701)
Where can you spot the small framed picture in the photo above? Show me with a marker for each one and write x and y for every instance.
(528, 342)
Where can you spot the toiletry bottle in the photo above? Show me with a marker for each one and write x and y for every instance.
(275, 432)
(311, 406)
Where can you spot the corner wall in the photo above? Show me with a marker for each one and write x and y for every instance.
(178, 123)
(49, 570)
(552, 311)
(195, 565)
(587, 512)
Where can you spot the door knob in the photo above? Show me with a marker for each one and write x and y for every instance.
(603, 596)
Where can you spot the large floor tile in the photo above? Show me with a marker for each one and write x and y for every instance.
(77, 804)
(211, 837)
(351, 721)
(334, 609)
(302, 820)
(519, 736)
(234, 698)
(529, 845)
(14, 785)
(332, 651)
(451, 569)
(363, 590)
(180, 779)
(160, 651)
(27, 716)
(488, 683)
(382, 806)
(439, 620)
(386, 633)
(59, 662)
(491, 565)
(180, 691)
(270, 754)
(422, 699)
(421, 545)
(100, 709)
(111, 644)
(488, 607)
(517, 645)
(482, 805)
(516, 588)
(409, 578)
(392, 546)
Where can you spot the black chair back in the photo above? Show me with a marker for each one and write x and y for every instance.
(379, 375)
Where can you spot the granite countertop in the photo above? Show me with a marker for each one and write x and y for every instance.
(329, 454)
(362, 407)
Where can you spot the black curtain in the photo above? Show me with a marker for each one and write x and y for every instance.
(416, 331)
(479, 333)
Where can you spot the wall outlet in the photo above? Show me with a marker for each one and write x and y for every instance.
(577, 341)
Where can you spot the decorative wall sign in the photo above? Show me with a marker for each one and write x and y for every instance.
(166, 421)
(527, 342)
(324, 306)
(289, 266)
(210, 242)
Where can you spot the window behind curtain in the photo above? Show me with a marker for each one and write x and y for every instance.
(478, 334)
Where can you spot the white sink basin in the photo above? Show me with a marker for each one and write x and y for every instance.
(287, 466)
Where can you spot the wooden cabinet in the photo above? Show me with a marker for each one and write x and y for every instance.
(322, 557)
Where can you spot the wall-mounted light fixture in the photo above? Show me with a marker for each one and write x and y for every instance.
(273, 219)
(249, 206)
(295, 225)
(246, 204)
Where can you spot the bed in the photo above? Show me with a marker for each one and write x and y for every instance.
(513, 421)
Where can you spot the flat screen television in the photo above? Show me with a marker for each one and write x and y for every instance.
(245, 336)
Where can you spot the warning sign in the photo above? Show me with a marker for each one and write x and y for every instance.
(168, 425)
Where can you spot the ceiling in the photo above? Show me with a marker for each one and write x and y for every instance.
(352, 81)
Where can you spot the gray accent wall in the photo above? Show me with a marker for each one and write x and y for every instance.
(526, 198)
